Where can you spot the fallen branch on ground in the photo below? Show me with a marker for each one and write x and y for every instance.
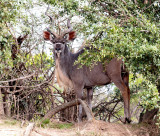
(29, 129)
(70, 104)
(41, 133)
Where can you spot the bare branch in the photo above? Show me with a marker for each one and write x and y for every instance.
(20, 78)
(13, 35)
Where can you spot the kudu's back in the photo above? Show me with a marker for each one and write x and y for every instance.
(89, 76)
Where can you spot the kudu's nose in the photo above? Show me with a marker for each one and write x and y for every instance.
(58, 47)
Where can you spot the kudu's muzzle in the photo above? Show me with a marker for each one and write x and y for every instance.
(58, 49)
(58, 46)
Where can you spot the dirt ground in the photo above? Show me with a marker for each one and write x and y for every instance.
(95, 128)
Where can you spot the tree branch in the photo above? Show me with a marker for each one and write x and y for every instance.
(70, 104)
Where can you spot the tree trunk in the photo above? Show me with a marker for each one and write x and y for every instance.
(7, 107)
(1, 105)
(148, 116)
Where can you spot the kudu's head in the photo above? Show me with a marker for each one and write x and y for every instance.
(59, 40)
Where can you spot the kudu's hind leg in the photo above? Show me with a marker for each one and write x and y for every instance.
(126, 96)
(89, 97)
(114, 70)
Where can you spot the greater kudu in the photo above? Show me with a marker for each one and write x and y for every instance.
(70, 75)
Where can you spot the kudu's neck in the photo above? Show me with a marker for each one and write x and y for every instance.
(64, 62)
(64, 59)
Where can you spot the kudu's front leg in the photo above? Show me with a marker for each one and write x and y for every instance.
(79, 93)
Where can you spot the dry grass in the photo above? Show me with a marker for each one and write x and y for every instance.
(95, 128)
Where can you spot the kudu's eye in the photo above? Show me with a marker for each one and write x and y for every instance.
(65, 36)
(53, 36)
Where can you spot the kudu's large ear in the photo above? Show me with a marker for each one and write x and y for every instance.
(72, 35)
(47, 35)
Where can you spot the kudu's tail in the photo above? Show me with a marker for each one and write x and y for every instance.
(125, 75)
